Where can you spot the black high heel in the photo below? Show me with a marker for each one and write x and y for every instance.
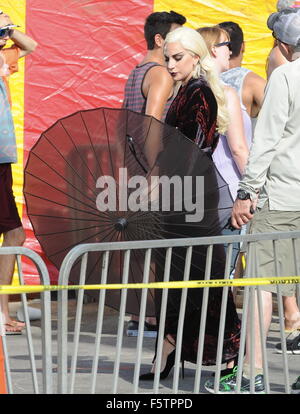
(169, 365)
(228, 371)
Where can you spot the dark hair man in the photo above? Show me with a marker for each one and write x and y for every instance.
(149, 85)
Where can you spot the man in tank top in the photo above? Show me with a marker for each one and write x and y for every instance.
(149, 87)
(249, 85)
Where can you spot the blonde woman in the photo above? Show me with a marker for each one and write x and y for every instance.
(199, 111)
(232, 151)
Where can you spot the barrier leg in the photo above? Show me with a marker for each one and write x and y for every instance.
(3, 389)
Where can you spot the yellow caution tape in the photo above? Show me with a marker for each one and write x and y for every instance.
(8, 289)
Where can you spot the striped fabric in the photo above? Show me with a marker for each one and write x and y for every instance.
(134, 98)
(43, 93)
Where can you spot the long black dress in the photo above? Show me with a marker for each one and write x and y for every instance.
(194, 113)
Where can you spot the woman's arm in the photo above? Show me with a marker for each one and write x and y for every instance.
(24, 42)
(235, 133)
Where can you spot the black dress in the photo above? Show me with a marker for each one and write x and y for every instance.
(194, 113)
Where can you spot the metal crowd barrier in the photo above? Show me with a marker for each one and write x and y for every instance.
(38, 349)
(73, 353)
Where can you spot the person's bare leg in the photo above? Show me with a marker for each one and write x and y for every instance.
(291, 313)
(151, 320)
(168, 347)
(238, 274)
(230, 364)
(267, 317)
(14, 237)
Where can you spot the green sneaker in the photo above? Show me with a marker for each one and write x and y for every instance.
(228, 385)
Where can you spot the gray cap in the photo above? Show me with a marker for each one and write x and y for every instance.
(286, 26)
(283, 4)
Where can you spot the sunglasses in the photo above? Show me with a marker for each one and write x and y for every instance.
(228, 44)
(6, 30)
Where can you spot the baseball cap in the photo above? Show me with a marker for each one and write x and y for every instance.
(286, 26)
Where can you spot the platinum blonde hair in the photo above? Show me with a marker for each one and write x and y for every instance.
(212, 35)
(194, 43)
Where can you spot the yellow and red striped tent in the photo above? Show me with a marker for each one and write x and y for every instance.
(86, 50)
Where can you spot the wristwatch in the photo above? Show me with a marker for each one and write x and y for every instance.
(243, 195)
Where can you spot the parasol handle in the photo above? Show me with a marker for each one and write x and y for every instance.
(121, 224)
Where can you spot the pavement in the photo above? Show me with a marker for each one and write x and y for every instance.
(21, 372)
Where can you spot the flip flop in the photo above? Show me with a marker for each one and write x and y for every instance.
(12, 329)
(18, 324)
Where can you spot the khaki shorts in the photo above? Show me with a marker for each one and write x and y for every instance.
(266, 221)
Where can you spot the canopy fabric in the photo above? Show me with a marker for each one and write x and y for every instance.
(86, 51)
